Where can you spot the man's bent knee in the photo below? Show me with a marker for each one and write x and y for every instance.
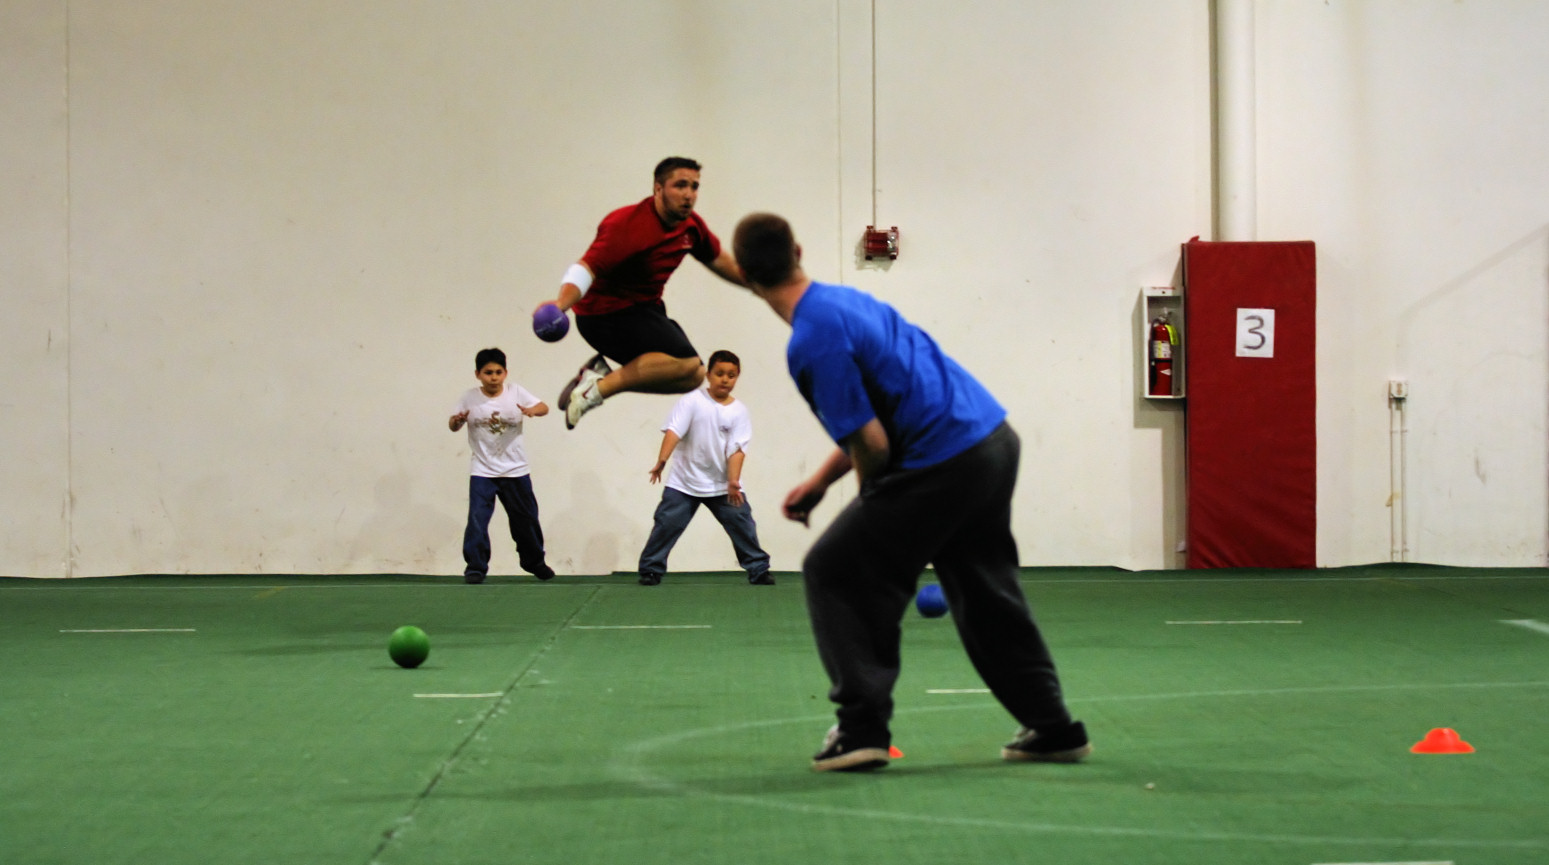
(693, 373)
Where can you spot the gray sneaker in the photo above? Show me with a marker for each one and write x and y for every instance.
(1066, 745)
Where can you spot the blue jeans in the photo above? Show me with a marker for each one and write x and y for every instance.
(521, 506)
(672, 517)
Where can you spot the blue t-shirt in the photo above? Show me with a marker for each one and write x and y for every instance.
(855, 358)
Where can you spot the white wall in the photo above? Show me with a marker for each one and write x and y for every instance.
(290, 226)
(1408, 139)
(34, 290)
(1043, 166)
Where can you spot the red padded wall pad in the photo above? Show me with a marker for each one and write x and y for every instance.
(1252, 421)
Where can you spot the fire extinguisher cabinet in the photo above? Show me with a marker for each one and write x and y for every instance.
(1160, 362)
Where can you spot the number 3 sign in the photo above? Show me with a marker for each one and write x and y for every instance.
(1255, 333)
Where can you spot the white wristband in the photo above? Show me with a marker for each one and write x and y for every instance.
(579, 277)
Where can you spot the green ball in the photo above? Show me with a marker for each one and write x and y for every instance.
(409, 647)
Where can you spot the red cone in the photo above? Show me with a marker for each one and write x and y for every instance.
(1442, 740)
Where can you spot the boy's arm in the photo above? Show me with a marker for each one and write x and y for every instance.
(538, 409)
(669, 441)
(456, 421)
(734, 479)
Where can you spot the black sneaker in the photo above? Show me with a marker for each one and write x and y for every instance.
(841, 756)
(650, 580)
(544, 573)
(1067, 745)
(764, 579)
(473, 579)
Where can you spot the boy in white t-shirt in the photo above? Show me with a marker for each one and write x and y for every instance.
(493, 413)
(713, 430)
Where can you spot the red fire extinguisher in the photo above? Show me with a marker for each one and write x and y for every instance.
(1162, 340)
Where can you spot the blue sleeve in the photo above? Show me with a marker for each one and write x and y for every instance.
(831, 381)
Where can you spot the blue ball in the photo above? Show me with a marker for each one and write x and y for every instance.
(550, 323)
(930, 602)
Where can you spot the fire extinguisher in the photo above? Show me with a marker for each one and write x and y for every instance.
(1162, 340)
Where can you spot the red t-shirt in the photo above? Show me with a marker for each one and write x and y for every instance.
(633, 255)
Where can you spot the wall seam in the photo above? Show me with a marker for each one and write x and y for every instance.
(69, 556)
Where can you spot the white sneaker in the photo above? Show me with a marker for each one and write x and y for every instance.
(573, 395)
(586, 396)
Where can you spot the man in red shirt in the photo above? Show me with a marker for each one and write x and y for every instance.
(616, 289)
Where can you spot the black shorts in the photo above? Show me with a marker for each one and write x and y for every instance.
(628, 333)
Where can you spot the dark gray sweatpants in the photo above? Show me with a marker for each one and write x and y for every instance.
(861, 575)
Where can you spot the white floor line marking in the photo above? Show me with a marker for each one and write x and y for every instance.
(1530, 624)
(629, 762)
(1242, 622)
(958, 691)
(639, 627)
(457, 696)
(128, 631)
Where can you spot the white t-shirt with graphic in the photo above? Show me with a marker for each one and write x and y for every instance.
(709, 433)
(495, 431)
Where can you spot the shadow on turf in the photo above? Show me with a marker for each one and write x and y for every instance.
(798, 779)
(497, 638)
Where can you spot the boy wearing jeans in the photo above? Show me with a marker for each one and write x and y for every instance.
(710, 431)
(493, 413)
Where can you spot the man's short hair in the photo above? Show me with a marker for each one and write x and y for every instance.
(765, 249)
(723, 356)
(487, 356)
(665, 168)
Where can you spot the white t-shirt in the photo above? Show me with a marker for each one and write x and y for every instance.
(495, 431)
(709, 433)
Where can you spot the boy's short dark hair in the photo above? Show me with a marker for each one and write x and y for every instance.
(765, 249)
(488, 356)
(665, 168)
(724, 356)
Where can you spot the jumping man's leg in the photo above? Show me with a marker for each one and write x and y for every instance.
(654, 372)
(656, 354)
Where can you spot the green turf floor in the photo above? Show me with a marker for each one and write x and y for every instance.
(258, 719)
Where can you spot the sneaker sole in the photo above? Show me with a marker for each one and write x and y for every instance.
(564, 399)
(859, 760)
(1073, 755)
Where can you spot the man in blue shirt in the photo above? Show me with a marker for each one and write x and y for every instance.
(937, 464)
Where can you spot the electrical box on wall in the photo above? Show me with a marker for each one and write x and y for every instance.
(881, 242)
(1162, 341)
